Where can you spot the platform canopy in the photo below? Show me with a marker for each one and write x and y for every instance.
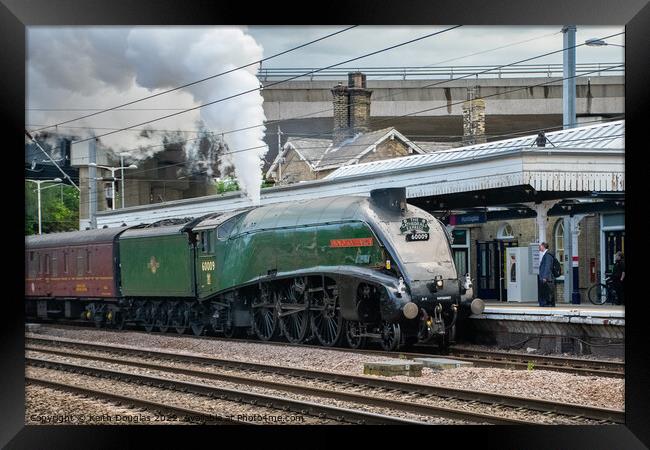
(582, 161)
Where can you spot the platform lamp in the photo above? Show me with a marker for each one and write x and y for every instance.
(112, 179)
(38, 185)
(600, 43)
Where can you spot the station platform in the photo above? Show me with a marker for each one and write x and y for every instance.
(613, 315)
(583, 328)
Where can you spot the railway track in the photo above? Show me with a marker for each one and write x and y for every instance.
(404, 397)
(491, 358)
(187, 414)
(522, 361)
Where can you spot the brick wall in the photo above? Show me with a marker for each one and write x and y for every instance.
(390, 148)
(294, 169)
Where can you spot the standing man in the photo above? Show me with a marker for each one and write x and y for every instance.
(545, 279)
(618, 275)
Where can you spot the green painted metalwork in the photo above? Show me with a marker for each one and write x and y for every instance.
(247, 256)
(157, 265)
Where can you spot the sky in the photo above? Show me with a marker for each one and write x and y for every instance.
(74, 70)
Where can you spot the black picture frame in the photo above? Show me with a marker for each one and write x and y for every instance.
(15, 15)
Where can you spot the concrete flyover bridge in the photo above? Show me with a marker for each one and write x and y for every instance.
(522, 97)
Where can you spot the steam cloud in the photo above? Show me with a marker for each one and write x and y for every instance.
(101, 67)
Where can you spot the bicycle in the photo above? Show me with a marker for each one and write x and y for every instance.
(602, 293)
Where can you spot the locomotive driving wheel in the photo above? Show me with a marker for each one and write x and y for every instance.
(265, 319)
(293, 311)
(353, 329)
(390, 336)
(326, 319)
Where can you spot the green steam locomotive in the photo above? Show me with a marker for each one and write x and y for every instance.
(338, 271)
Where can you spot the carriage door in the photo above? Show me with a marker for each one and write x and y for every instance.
(491, 269)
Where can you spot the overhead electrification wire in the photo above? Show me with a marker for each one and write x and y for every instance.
(273, 84)
(404, 115)
(202, 80)
(395, 91)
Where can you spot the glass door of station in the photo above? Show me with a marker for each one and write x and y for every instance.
(491, 269)
(614, 242)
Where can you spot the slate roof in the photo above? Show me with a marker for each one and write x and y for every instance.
(605, 136)
(320, 154)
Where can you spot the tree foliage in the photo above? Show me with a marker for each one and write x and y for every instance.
(59, 208)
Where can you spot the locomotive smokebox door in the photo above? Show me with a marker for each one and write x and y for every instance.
(390, 199)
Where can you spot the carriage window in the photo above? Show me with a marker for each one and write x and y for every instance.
(81, 263)
(65, 262)
(47, 263)
(39, 263)
(88, 261)
(31, 268)
(55, 269)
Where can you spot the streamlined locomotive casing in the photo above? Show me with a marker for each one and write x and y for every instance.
(348, 239)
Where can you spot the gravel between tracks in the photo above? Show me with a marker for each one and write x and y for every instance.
(206, 405)
(543, 384)
(48, 406)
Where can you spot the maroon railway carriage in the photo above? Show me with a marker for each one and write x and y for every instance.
(64, 269)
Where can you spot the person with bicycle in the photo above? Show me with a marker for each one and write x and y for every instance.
(618, 275)
(545, 279)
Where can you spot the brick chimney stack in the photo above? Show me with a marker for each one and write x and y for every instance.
(341, 114)
(359, 103)
(473, 119)
(351, 108)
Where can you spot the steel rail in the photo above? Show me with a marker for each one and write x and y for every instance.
(559, 363)
(547, 406)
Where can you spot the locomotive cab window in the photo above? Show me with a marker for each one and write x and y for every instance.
(206, 241)
(223, 232)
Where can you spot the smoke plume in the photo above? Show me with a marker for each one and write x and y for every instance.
(95, 68)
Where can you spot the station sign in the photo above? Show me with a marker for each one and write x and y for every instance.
(467, 219)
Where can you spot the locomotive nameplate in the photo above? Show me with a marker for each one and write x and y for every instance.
(356, 242)
(414, 224)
